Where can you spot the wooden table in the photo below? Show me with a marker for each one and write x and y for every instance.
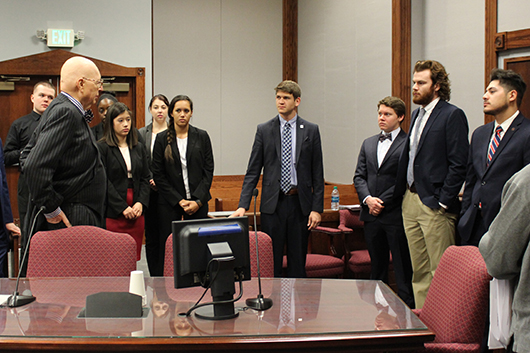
(314, 316)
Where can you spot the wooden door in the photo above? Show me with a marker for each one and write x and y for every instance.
(521, 65)
(47, 67)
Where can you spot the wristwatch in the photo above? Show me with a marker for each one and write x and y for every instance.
(199, 202)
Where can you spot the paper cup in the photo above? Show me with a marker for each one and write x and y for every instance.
(137, 285)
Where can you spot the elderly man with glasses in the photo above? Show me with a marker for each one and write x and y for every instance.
(61, 162)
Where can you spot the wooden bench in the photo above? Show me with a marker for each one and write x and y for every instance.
(226, 189)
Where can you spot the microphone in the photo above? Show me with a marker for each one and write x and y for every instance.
(260, 303)
(16, 300)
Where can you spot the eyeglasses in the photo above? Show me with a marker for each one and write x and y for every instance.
(98, 83)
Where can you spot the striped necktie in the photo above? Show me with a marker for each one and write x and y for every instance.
(494, 144)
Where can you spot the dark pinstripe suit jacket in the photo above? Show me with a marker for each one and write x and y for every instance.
(61, 161)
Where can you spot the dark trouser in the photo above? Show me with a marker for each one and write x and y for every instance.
(167, 214)
(382, 238)
(23, 199)
(479, 229)
(4, 249)
(152, 233)
(288, 225)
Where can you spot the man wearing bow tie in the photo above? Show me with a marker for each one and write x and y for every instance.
(498, 150)
(61, 161)
(375, 180)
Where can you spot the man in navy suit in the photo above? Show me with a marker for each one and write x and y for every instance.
(375, 180)
(498, 150)
(7, 226)
(432, 169)
(289, 151)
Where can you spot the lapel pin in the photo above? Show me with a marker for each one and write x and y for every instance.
(301, 126)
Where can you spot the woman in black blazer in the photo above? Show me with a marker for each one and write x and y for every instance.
(158, 107)
(182, 169)
(125, 162)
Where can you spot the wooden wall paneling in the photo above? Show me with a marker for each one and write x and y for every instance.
(401, 54)
(490, 55)
(290, 40)
(516, 39)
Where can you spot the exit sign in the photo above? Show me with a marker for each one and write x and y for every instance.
(60, 38)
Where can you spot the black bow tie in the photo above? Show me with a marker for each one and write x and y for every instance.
(383, 137)
(89, 115)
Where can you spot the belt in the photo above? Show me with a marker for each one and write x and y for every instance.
(412, 188)
(293, 191)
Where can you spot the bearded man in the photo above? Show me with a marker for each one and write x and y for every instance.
(432, 169)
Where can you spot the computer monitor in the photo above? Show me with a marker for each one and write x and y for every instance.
(212, 252)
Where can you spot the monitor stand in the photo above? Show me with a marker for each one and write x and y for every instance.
(222, 289)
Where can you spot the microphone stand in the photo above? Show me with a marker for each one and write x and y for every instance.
(16, 300)
(260, 303)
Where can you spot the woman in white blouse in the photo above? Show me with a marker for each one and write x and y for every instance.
(182, 169)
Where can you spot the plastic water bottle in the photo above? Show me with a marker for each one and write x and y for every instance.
(335, 199)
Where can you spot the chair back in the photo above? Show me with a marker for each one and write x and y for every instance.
(81, 251)
(349, 219)
(458, 298)
(266, 260)
(265, 255)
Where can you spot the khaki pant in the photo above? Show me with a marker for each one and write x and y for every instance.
(429, 232)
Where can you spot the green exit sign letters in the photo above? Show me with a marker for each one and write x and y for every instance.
(60, 38)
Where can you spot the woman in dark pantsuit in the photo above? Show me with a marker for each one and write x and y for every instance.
(158, 106)
(125, 162)
(182, 169)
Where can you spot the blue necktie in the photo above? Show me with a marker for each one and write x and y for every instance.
(412, 152)
(285, 182)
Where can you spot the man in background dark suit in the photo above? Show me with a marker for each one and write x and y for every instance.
(18, 137)
(61, 162)
(494, 157)
(289, 150)
(375, 180)
(432, 170)
(7, 226)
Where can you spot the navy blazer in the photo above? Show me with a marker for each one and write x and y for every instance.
(484, 183)
(168, 174)
(266, 155)
(117, 177)
(379, 181)
(5, 202)
(441, 157)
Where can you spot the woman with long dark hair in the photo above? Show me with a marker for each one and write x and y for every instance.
(182, 170)
(125, 162)
(158, 107)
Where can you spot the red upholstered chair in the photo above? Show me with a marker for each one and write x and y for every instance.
(456, 305)
(265, 255)
(328, 265)
(357, 260)
(81, 251)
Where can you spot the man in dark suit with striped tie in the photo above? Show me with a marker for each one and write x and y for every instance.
(61, 162)
(498, 150)
(375, 181)
(289, 151)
